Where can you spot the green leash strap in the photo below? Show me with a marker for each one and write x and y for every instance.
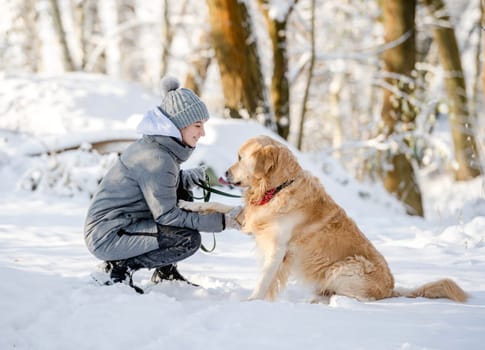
(207, 190)
(204, 249)
(206, 197)
(206, 187)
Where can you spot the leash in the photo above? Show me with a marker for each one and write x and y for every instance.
(207, 190)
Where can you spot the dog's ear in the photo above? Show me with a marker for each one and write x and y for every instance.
(267, 158)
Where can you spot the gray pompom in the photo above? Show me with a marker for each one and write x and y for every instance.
(168, 84)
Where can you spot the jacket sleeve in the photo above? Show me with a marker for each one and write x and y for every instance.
(158, 182)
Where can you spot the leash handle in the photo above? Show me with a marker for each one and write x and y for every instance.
(205, 190)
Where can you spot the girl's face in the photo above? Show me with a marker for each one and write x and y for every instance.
(192, 133)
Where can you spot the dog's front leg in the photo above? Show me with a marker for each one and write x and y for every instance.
(206, 207)
(272, 264)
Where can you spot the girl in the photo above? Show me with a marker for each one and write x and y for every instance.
(133, 220)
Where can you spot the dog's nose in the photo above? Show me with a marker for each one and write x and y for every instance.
(228, 175)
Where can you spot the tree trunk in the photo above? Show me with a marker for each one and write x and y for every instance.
(88, 17)
(167, 38)
(33, 46)
(280, 90)
(398, 114)
(477, 81)
(61, 34)
(462, 123)
(79, 18)
(108, 10)
(309, 79)
(235, 48)
(200, 64)
(482, 8)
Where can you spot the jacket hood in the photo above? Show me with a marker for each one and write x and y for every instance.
(156, 123)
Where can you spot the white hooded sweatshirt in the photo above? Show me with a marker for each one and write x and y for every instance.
(154, 122)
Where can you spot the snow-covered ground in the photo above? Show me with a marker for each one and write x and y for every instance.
(49, 301)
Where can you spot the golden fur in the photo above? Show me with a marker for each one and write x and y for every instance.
(301, 230)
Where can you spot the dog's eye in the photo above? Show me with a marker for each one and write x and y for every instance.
(238, 158)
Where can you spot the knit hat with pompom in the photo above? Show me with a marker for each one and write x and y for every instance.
(181, 105)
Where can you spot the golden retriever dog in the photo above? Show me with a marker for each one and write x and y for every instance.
(302, 231)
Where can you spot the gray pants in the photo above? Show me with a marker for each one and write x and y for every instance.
(174, 244)
(150, 244)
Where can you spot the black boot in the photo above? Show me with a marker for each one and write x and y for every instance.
(169, 273)
(120, 271)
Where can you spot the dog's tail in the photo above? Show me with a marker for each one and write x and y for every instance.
(445, 288)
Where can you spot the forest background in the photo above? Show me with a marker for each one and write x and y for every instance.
(392, 89)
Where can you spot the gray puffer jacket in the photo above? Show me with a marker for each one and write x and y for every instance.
(136, 194)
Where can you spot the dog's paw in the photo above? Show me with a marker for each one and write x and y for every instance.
(191, 206)
(254, 296)
(319, 299)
